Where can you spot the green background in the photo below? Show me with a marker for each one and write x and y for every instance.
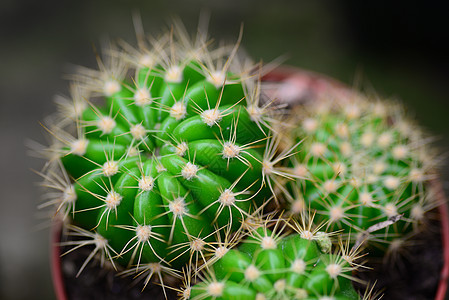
(394, 49)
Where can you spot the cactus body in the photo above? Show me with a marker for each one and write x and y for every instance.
(362, 163)
(270, 266)
(169, 150)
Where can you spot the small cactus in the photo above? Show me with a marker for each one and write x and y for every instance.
(160, 149)
(272, 264)
(362, 163)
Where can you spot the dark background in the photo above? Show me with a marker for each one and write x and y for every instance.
(392, 47)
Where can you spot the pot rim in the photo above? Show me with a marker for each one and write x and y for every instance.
(444, 219)
(55, 259)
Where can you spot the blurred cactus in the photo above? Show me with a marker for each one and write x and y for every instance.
(362, 163)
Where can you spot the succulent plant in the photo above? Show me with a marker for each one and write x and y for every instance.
(160, 149)
(273, 264)
(362, 163)
(164, 159)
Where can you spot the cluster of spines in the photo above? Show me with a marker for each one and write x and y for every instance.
(362, 162)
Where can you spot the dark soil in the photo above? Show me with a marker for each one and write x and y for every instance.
(413, 276)
(97, 283)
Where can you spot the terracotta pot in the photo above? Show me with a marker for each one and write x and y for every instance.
(444, 217)
(55, 259)
(292, 85)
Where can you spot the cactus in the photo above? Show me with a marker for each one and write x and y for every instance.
(165, 158)
(160, 149)
(362, 163)
(273, 264)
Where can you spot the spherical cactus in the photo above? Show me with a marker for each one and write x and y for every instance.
(270, 264)
(159, 150)
(362, 163)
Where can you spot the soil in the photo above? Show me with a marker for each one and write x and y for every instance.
(415, 274)
(97, 283)
(413, 277)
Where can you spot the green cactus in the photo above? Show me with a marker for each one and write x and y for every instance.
(166, 157)
(160, 149)
(272, 264)
(362, 163)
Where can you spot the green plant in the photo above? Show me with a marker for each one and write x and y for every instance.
(273, 264)
(165, 158)
(160, 149)
(362, 162)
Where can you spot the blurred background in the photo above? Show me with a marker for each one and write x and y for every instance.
(396, 49)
